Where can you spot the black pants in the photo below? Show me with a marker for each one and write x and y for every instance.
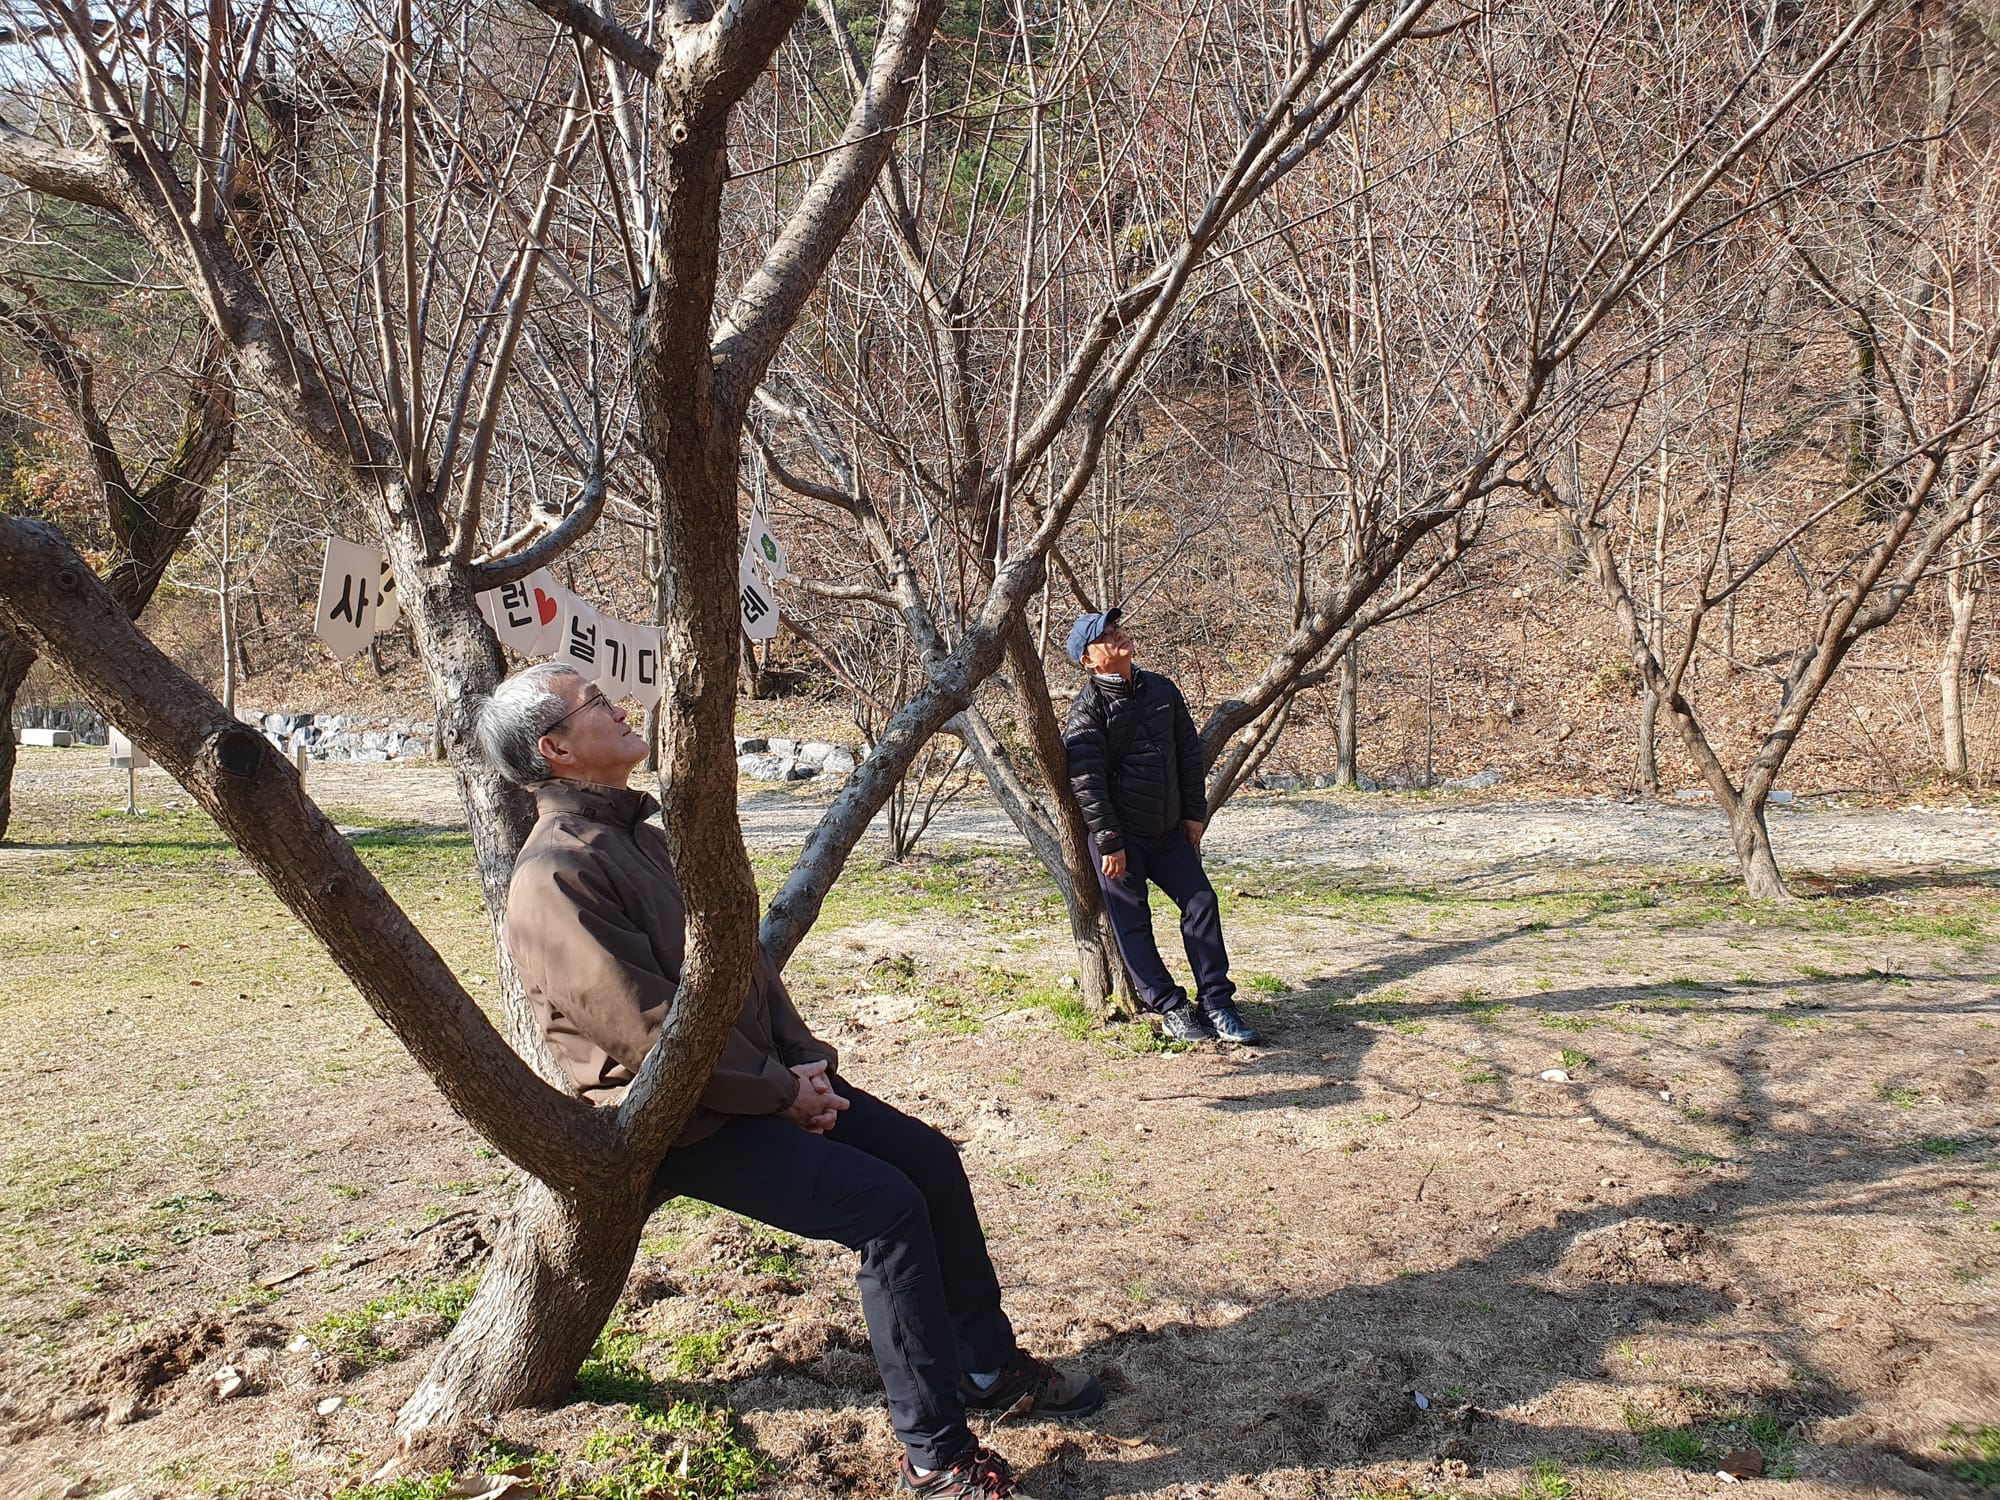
(1174, 865)
(894, 1189)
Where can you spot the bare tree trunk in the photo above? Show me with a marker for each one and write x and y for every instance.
(1753, 850)
(1962, 586)
(1078, 876)
(1649, 730)
(1728, 613)
(225, 599)
(1649, 700)
(1347, 771)
(550, 1286)
(16, 657)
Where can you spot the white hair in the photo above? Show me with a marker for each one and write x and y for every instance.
(513, 720)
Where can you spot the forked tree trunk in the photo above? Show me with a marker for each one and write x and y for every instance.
(1753, 850)
(16, 657)
(549, 1288)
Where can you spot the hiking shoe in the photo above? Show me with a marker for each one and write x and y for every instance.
(978, 1474)
(1186, 1024)
(1222, 1016)
(1050, 1393)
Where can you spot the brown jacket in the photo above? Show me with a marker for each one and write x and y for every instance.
(597, 927)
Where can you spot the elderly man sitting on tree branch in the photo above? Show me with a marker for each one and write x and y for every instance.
(597, 927)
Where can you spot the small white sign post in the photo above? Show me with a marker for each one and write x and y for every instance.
(129, 758)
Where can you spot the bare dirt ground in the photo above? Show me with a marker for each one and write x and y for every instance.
(1403, 836)
(1384, 1256)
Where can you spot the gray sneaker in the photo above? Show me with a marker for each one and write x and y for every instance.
(1229, 1025)
(1183, 1023)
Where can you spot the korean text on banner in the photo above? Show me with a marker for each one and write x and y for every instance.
(345, 619)
(648, 682)
(614, 658)
(582, 643)
(757, 600)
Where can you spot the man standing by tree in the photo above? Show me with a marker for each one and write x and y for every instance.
(1135, 762)
(597, 928)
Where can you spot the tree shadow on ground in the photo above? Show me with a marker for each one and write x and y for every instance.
(1528, 1318)
(1496, 1333)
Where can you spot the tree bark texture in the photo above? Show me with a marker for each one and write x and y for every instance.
(16, 657)
(1649, 746)
(1348, 770)
(1752, 841)
(549, 1287)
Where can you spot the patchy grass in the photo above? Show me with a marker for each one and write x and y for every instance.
(1974, 1454)
(1399, 1095)
(358, 1333)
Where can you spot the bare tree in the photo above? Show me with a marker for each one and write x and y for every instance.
(1036, 261)
(403, 343)
(148, 518)
(1580, 212)
(1834, 554)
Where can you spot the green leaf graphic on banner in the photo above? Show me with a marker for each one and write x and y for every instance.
(770, 548)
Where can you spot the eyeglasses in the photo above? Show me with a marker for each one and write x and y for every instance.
(591, 700)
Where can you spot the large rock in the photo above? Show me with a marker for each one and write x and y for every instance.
(828, 756)
(765, 767)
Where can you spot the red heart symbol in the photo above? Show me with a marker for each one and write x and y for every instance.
(544, 606)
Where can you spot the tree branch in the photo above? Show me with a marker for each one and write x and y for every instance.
(769, 302)
(49, 594)
(607, 33)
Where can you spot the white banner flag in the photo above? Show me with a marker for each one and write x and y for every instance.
(757, 600)
(388, 602)
(648, 681)
(510, 610)
(526, 615)
(345, 619)
(581, 646)
(764, 547)
(614, 678)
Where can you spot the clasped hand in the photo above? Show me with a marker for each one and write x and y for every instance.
(817, 1106)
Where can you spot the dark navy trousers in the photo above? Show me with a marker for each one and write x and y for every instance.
(1174, 865)
(894, 1189)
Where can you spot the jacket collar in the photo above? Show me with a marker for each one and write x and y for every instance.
(625, 806)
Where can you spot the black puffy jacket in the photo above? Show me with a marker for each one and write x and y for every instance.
(1134, 759)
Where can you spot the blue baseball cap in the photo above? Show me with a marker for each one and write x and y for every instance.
(1087, 629)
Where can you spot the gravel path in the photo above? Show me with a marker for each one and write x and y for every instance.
(1391, 835)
